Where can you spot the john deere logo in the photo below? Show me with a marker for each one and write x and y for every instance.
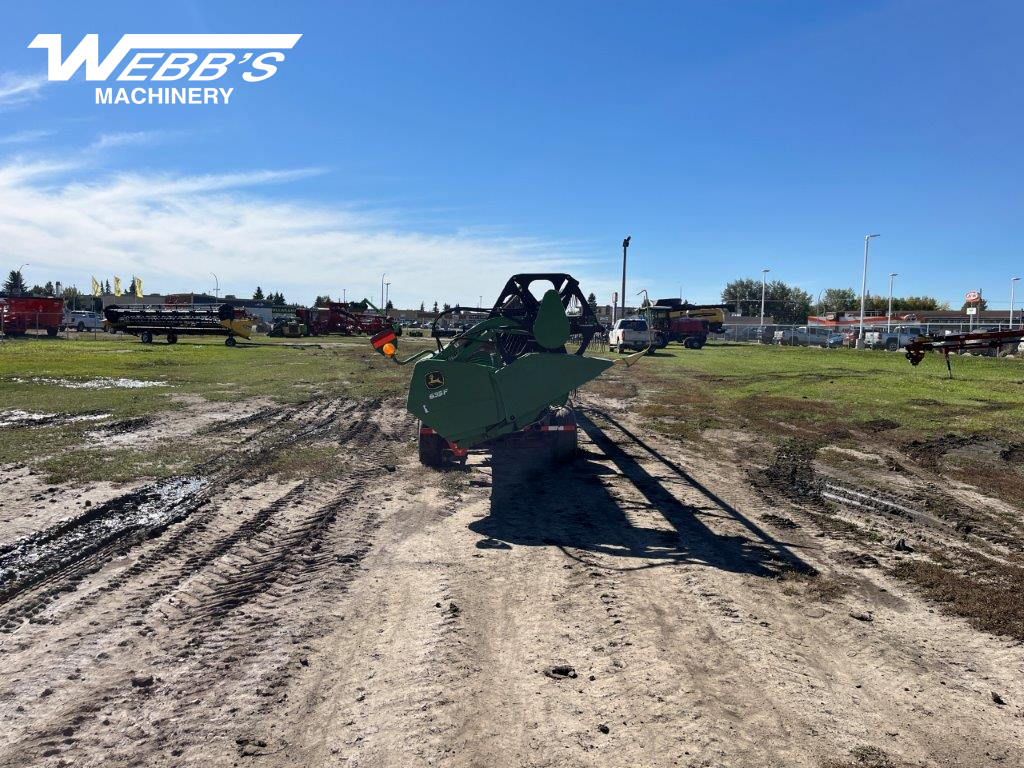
(434, 380)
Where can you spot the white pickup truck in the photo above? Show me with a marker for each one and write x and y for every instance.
(81, 320)
(893, 340)
(633, 333)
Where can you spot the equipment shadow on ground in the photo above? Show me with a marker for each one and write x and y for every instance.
(571, 506)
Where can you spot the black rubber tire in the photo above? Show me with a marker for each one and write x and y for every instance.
(660, 340)
(146, 337)
(431, 449)
(80, 327)
(172, 338)
(892, 345)
(564, 445)
(51, 332)
(230, 341)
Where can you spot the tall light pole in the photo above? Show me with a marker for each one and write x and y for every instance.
(382, 289)
(863, 291)
(622, 296)
(1013, 280)
(216, 289)
(344, 295)
(387, 295)
(764, 276)
(888, 316)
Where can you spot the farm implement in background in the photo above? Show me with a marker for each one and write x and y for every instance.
(146, 322)
(508, 377)
(977, 341)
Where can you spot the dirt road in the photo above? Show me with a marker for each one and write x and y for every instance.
(647, 605)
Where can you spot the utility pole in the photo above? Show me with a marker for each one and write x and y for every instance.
(216, 289)
(764, 273)
(622, 298)
(863, 290)
(888, 316)
(1013, 280)
(382, 289)
(387, 294)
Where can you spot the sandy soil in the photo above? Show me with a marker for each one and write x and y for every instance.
(648, 604)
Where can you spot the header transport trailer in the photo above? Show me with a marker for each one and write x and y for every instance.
(20, 314)
(174, 321)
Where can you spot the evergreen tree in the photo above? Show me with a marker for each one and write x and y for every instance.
(279, 299)
(258, 294)
(435, 307)
(389, 306)
(14, 285)
(592, 302)
(321, 301)
(423, 307)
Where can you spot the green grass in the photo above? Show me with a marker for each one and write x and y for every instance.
(203, 367)
(768, 388)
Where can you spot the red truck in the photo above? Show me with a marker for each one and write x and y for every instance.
(20, 314)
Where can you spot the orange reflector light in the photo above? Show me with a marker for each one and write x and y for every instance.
(388, 349)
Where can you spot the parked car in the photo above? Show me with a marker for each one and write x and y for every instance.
(894, 339)
(81, 320)
(633, 333)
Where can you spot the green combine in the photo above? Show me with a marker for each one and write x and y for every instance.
(508, 377)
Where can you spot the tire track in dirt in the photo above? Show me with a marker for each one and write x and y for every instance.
(225, 599)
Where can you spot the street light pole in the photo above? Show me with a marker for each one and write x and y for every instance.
(863, 291)
(622, 296)
(1013, 280)
(216, 289)
(382, 288)
(764, 274)
(888, 316)
(387, 295)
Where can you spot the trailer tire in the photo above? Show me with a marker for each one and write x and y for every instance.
(172, 338)
(146, 337)
(80, 327)
(564, 443)
(230, 341)
(892, 345)
(431, 450)
(660, 340)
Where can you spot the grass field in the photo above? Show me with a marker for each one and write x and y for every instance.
(35, 375)
(770, 390)
(766, 387)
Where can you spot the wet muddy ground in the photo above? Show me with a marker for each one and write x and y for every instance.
(312, 596)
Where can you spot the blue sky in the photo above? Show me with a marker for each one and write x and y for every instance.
(451, 144)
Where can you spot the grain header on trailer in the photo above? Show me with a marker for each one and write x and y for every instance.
(507, 376)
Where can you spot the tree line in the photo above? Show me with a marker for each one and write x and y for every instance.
(790, 305)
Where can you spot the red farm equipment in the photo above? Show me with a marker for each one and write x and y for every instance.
(21, 314)
(349, 319)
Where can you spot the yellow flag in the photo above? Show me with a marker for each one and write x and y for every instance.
(117, 285)
(96, 289)
(138, 287)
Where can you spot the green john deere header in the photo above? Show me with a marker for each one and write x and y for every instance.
(507, 372)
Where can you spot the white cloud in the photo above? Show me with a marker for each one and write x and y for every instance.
(17, 89)
(25, 137)
(174, 230)
(125, 138)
